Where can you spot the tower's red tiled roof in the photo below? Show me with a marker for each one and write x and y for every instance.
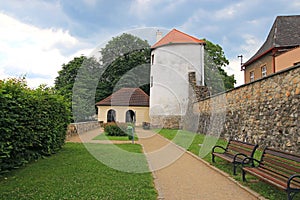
(175, 37)
(126, 97)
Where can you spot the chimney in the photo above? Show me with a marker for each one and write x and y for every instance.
(158, 35)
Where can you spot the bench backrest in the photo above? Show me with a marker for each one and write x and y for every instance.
(282, 164)
(235, 146)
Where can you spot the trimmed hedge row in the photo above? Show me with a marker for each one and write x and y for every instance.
(115, 129)
(33, 123)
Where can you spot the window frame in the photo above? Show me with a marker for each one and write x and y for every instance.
(252, 76)
(263, 71)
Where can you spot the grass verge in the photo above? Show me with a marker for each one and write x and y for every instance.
(74, 173)
(256, 185)
(104, 136)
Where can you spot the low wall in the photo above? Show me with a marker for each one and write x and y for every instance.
(166, 121)
(265, 112)
(81, 127)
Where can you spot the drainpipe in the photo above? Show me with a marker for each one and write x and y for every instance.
(273, 59)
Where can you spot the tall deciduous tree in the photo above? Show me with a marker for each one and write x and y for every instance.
(123, 57)
(77, 82)
(66, 77)
(215, 76)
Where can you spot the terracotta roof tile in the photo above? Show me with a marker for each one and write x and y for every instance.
(126, 97)
(175, 37)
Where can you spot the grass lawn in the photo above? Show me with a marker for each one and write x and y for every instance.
(104, 136)
(73, 173)
(260, 187)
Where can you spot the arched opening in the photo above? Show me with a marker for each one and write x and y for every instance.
(111, 116)
(130, 116)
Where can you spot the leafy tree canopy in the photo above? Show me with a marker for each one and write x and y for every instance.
(122, 56)
(66, 77)
(215, 76)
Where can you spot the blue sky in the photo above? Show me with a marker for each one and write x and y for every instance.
(37, 37)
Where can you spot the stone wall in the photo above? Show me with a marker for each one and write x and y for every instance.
(201, 92)
(265, 112)
(165, 121)
(78, 128)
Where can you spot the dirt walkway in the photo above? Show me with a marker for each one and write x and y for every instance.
(180, 175)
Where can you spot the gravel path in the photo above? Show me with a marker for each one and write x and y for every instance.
(179, 174)
(187, 177)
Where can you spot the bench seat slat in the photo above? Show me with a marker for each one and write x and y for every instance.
(233, 150)
(283, 155)
(228, 157)
(243, 144)
(280, 166)
(267, 177)
(276, 168)
(239, 150)
(280, 176)
(288, 162)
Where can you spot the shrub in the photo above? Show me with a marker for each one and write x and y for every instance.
(115, 129)
(32, 123)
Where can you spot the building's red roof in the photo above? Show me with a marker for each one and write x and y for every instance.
(126, 97)
(175, 37)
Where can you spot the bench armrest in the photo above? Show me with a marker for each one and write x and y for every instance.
(217, 146)
(291, 179)
(247, 160)
(239, 154)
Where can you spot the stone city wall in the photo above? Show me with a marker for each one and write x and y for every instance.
(265, 112)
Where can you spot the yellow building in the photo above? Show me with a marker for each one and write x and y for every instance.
(129, 105)
(278, 51)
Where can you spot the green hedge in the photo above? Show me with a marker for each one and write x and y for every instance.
(32, 123)
(115, 129)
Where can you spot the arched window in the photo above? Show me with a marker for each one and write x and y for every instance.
(130, 116)
(111, 115)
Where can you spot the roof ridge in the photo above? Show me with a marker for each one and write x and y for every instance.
(126, 97)
(283, 33)
(186, 34)
(181, 37)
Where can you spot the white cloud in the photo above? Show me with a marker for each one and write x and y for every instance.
(145, 8)
(250, 46)
(29, 50)
(227, 13)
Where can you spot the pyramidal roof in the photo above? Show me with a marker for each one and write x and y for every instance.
(176, 37)
(126, 97)
(284, 33)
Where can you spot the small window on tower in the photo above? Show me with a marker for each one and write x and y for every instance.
(152, 59)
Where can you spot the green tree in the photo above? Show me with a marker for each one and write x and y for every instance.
(66, 77)
(123, 57)
(84, 90)
(83, 73)
(215, 76)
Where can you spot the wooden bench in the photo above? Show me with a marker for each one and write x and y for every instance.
(277, 168)
(234, 152)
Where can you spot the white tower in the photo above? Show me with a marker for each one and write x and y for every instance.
(172, 58)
